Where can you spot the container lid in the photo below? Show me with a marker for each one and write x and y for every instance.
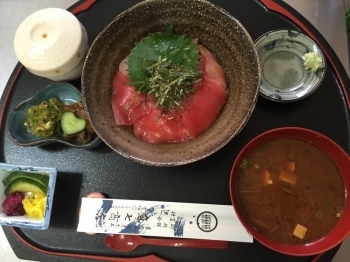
(48, 41)
(284, 77)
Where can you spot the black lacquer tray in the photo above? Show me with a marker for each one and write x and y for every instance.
(100, 169)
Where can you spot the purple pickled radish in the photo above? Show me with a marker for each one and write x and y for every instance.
(12, 206)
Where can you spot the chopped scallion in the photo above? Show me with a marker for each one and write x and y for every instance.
(327, 205)
(319, 214)
(245, 163)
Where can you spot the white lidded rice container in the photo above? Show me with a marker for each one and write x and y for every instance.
(52, 43)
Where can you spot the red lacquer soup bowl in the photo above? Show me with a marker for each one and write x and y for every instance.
(341, 160)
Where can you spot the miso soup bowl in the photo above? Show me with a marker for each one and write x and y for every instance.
(341, 159)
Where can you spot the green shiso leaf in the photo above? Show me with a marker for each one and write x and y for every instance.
(156, 52)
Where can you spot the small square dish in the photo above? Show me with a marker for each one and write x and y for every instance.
(43, 113)
(285, 58)
(26, 195)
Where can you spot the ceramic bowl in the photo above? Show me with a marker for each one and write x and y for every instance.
(284, 77)
(221, 33)
(340, 158)
(52, 43)
(26, 221)
(17, 131)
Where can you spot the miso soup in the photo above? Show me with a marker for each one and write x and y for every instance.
(291, 191)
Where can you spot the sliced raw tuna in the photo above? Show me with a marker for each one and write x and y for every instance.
(210, 66)
(205, 106)
(127, 104)
(123, 67)
(198, 112)
(156, 127)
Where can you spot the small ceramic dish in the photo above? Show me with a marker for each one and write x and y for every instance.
(52, 43)
(284, 78)
(26, 221)
(18, 132)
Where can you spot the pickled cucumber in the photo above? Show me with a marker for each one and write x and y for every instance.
(24, 185)
(42, 178)
(71, 124)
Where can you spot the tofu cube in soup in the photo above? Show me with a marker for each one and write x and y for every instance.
(300, 231)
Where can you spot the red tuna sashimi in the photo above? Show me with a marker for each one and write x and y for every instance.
(123, 67)
(127, 104)
(156, 127)
(205, 106)
(210, 66)
(199, 111)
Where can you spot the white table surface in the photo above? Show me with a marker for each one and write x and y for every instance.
(326, 15)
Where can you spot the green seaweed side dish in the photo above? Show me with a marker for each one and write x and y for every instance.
(44, 119)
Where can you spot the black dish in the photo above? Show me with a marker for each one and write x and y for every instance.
(83, 171)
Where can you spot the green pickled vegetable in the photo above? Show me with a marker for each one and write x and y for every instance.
(41, 178)
(44, 119)
(25, 184)
(72, 124)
